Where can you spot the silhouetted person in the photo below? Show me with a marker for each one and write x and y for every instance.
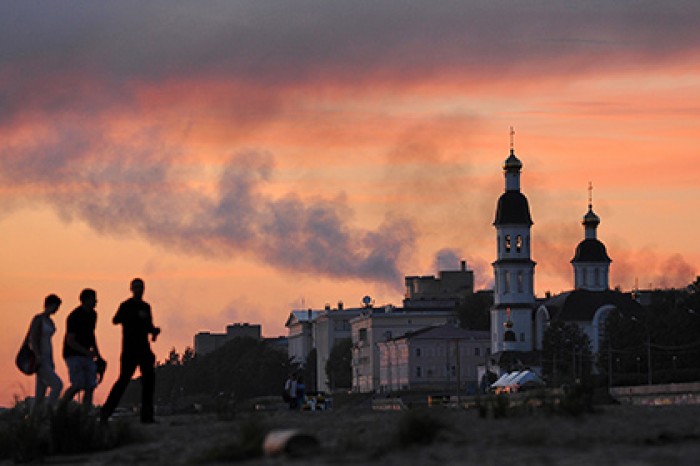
(40, 332)
(80, 348)
(134, 315)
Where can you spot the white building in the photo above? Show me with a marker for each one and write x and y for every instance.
(443, 357)
(379, 325)
(300, 337)
(329, 327)
(514, 270)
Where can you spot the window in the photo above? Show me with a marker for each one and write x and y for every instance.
(418, 371)
(507, 243)
(453, 371)
(509, 336)
(596, 277)
(476, 352)
(506, 282)
(518, 243)
(522, 336)
(362, 335)
(520, 281)
(418, 352)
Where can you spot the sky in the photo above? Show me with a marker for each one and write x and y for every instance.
(249, 158)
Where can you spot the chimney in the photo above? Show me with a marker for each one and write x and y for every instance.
(340, 305)
(464, 266)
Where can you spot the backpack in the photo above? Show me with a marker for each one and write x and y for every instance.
(26, 359)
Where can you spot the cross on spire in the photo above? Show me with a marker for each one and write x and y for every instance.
(512, 138)
(590, 195)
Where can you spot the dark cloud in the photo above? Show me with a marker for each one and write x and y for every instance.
(292, 41)
(128, 190)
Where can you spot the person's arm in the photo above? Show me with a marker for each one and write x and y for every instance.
(72, 342)
(119, 316)
(153, 330)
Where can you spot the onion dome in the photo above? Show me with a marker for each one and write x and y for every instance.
(590, 219)
(591, 250)
(512, 209)
(512, 163)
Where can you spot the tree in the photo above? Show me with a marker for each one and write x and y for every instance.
(187, 355)
(475, 312)
(338, 366)
(566, 353)
(173, 358)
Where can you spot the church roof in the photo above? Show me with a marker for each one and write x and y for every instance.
(591, 250)
(512, 208)
(581, 305)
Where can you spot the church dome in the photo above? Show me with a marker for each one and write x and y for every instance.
(591, 250)
(512, 208)
(512, 163)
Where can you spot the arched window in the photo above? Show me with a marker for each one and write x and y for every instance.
(507, 243)
(596, 277)
(518, 243)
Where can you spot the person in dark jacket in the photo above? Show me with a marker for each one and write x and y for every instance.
(80, 348)
(134, 315)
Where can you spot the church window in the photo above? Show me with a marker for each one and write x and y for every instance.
(418, 352)
(596, 277)
(520, 281)
(507, 243)
(585, 277)
(518, 243)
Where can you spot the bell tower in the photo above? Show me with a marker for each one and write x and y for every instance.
(514, 270)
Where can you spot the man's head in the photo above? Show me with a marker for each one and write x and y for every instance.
(52, 303)
(88, 298)
(137, 288)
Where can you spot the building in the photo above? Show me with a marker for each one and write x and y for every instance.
(591, 301)
(443, 357)
(518, 319)
(451, 288)
(514, 270)
(329, 327)
(381, 324)
(206, 342)
(300, 337)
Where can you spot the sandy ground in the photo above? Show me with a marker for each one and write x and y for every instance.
(616, 435)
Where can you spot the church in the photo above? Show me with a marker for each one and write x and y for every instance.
(518, 318)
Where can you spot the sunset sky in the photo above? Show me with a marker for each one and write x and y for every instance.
(246, 158)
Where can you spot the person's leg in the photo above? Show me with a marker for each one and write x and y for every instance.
(39, 392)
(75, 373)
(55, 384)
(89, 371)
(148, 379)
(126, 371)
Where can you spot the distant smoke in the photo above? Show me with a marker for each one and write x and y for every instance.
(447, 259)
(647, 269)
(126, 190)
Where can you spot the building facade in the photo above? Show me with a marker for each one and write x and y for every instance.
(442, 358)
(378, 325)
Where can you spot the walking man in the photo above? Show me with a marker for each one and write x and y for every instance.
(136, 320)
(80, 348)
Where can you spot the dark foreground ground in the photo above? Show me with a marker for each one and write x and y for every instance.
(614, 435)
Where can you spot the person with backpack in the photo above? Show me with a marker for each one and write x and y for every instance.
(41, 330)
